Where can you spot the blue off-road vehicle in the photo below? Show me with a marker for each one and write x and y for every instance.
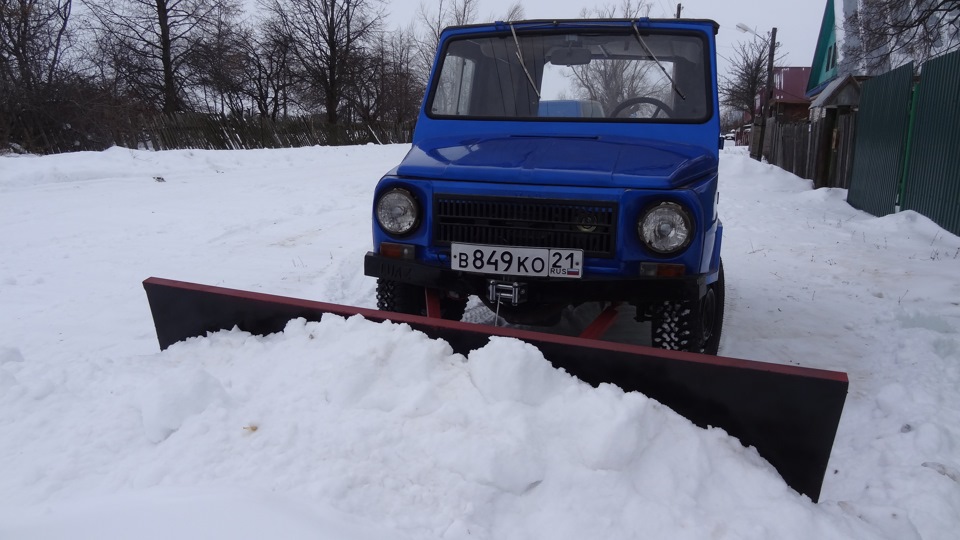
(561, 162)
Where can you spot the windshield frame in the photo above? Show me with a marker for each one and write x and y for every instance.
(706, 92)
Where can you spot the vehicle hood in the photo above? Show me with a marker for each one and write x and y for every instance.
(559, 160)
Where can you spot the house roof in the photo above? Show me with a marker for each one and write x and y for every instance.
(841, 91)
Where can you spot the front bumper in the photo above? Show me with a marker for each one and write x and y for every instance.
(540, 290)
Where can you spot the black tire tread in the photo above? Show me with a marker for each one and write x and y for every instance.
(677, 325)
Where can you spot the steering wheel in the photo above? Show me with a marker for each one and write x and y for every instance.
(630, 102)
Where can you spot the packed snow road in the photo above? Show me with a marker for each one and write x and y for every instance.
(348, 429)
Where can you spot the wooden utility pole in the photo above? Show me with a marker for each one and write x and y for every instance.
(679, 9)
(768, 92)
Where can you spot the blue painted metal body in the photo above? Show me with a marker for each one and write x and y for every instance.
(634, 164)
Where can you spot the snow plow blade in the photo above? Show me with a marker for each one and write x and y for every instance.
(789, 414)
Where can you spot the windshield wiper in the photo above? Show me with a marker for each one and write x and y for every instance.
(636, 30)
(522, 63)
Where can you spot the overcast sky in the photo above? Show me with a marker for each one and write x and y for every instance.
(797, 21)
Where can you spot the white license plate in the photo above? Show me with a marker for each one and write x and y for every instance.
(517, 261)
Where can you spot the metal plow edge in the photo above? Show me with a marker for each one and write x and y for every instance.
(788, 414)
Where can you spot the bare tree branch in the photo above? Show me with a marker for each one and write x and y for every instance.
(891, 33)
(741, 85)
(150, 44)
(329, 39)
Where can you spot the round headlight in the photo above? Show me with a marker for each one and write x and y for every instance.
(666, 228)
(397, 211)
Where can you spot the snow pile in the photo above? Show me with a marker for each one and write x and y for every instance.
(348, 429)
(380, 422)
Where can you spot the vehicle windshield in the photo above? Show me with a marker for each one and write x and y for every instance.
(582, 75)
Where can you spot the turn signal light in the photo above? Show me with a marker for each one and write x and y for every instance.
(662, 270)
(397, 251)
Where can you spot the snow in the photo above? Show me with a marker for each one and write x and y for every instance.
(348, 429)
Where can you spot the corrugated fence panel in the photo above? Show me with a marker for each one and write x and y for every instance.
(933, 171)
(880, 136)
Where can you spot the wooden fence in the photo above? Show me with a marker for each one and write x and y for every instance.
(197, 131)
(821, 150)
(222, 132)
(790, 147)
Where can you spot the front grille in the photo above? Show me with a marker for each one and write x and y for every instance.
(550, 223)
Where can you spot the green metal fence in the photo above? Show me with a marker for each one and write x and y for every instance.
(880, 146)
(932, 180)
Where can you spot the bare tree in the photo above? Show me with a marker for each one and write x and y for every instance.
(515, 12)
(406, 86)
(148, 44)
(431, 19)
(893, 32)
(611, 83)
(391, 91)
(746, 76)
(626, 9)
(462, 12)
(328, 38)
(271, 74)
(430, 22)
(218, 60)
(730, 119)
(32, 42)
(34, 82)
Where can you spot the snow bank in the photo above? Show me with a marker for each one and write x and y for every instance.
(357, 430)
(380, 422)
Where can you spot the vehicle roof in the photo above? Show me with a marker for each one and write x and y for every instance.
(499, 25)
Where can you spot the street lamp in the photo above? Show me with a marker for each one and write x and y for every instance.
(768, 92)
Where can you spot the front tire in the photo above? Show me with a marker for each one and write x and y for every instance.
(411, 299)
(691, 326)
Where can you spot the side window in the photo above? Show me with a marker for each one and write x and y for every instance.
(455, 87)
